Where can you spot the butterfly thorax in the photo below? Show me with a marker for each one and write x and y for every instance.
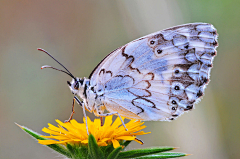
(91, 99)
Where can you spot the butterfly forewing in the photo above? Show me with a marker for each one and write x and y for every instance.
(158, 76)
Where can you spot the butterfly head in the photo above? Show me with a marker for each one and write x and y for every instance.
(76, 86)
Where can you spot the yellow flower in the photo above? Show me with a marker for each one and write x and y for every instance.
(111, 132)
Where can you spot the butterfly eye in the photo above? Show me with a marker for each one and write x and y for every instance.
(76, 86)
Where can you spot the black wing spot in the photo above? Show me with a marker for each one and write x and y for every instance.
(152, 42)
(176, 71)
(190, 107)
(205, 80)
(159, 51)
(209, 65)
(174, 102)
(200, 93)
(177, 88)
(214, 53)
(215, 43)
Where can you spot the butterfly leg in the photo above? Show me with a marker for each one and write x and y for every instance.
(84, 111)
(78, 101)
(113, 113)
(73, 103)
(100, 109)
(70, 118)
(101, 119)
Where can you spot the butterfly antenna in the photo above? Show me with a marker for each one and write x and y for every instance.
(46, 66)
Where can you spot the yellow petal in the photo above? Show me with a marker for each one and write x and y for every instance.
(117, 122)
(102, 144)
(46, 130)
(139, 141)
(126, 138)
(108, 121)
(115, 143)
(47, 142)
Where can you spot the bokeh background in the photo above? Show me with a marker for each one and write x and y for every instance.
(79, 34)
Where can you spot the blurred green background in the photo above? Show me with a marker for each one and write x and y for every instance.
(79, 34)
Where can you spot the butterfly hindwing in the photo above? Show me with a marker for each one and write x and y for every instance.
(159, 76)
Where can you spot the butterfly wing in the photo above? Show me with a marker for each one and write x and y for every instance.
(158, 76)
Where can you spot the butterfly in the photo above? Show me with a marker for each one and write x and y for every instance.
(156, 77)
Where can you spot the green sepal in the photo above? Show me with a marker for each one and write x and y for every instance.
(143, 152)
(77, 151)
(93, 149)
(164, 155)
(107, 149)
(83, 151)
(125, 144)
(59, 148)
(114, 154)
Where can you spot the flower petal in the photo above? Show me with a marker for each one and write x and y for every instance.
(115, 143)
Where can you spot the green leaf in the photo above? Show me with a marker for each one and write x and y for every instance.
(114, 153)
(143, 152)
(93, 149)
(59, 148)
(164, 155)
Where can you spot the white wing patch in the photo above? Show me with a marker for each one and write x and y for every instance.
(159, 76)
